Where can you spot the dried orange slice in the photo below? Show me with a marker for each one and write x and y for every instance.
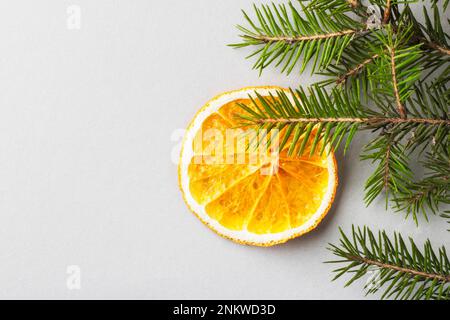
(246, 194)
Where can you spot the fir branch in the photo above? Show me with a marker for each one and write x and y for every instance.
(288, 37)
(372, 121)
(331, 4)
(293, 39)
(336, 116)
(386, 65)
(336, 5)
(387, 12)
(423, 196)
(433, 34)
(301, 111)
(405, 272)
(431, 192)
(430, 101)
(396, 70)
(392, 172)
(411, 271)
(400, 107)
(355, 70)
(435, 46)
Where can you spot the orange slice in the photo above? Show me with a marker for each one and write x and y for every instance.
(251, 195)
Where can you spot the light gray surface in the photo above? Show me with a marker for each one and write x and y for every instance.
(86, 176)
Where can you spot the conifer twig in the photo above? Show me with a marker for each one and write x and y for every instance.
(338, 115)
(390, 64)
(400, 106)
(405, 272)
(435, 46)
(387, 168)
(387, 12)
(294, 39)
(373, 121)
(428, 194)
(432, 276)
(282, 35)
(343, 78)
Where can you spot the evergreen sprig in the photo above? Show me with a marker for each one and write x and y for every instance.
(393, 74)
(352, 71)
(334, 117)
(337, 116)
(431, 34)
(403, 271)
(283, 36)
(429, 101)
(378, 79)
(392, 173)
(388, 74)
(431, 192)
(337, 6)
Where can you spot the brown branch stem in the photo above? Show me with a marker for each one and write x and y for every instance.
(423, 193)
(400, 107)
(353, 3)
(266, 39)
(436, 47)
(355, 70)
(387, 170)
(369, 121)
(439, 277)
(387, 12)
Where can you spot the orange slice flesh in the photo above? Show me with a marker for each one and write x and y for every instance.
(245, 194)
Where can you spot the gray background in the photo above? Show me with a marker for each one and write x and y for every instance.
(86, 176)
